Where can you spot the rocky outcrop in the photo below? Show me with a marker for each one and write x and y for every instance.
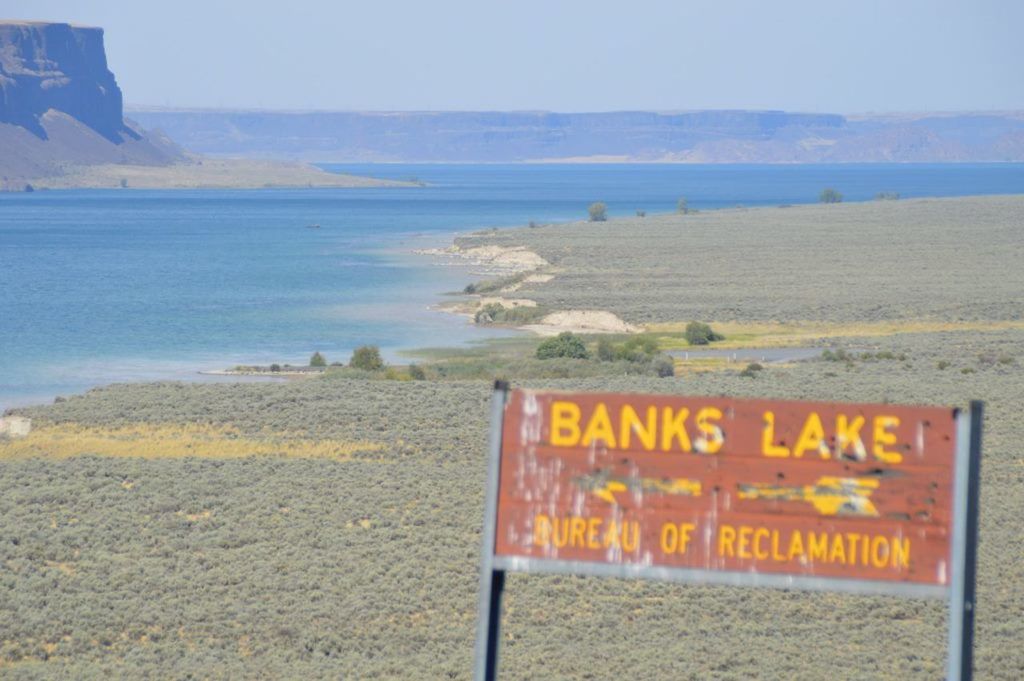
(60, 105)
(61, 67)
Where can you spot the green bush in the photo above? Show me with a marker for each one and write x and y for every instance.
(496, 313)
(275, 368)
(606, 350)
(663, 366)
(367, 358)
(839, 355)
(487, 314)
(598, 212)
(416, 373)
(317, 360)
(699, 333)
(752, 370)
(566, 344)
(829, 195)
(640, 348)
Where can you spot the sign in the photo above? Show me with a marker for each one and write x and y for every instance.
(850, 497)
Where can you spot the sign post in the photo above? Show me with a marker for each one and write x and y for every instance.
(858, 498)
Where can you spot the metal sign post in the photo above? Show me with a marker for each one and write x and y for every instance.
(960, 651)
(492, 582)
(854, 498)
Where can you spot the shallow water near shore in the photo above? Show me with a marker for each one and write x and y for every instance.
(106, 286)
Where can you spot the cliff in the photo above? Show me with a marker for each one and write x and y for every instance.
(627, 136)
(60, 105)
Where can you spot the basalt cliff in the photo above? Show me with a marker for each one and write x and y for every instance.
(60, 106)
(62, 125)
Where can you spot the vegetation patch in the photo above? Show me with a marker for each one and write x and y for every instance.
(671, 335)
(173, 441)
(496, 313)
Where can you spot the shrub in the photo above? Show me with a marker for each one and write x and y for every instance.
(317, 360)
(496, 313)
(605, 350)
(829, 195)
(598, 212)
(663, 366)
(681, 206)
(699, 333)
(887, 196)
(943, 364)
(752, 370)
(533, 225)
(367, 358)
(488, 314)
(565, 344)
(416, 373)
(839, 355)
(641, 213)
(275, 368)
(640, 348)
(470, 289)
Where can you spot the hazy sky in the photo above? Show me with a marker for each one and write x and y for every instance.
(842, 56)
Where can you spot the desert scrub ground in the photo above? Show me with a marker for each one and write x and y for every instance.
(940, 259)
(365, 566)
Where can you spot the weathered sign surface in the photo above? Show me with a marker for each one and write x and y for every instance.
(824, 490)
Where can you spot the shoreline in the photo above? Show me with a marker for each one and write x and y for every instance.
(203, 173)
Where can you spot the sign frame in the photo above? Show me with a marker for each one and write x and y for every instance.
(960, 593)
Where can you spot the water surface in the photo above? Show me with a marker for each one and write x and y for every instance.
(114, 285)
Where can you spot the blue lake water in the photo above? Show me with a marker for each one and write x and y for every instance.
(114, 285)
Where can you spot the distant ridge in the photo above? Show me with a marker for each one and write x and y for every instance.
(717, 136)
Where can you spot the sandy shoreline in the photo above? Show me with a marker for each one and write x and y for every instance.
(208, 173)
(514, 267)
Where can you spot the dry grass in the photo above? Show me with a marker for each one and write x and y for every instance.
(799, 334)
(173, 441)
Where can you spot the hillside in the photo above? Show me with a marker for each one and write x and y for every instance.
(626, 136)
(62, 125)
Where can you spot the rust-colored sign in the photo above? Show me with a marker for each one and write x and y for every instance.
(858, 491)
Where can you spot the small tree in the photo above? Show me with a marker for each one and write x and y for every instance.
(416, 372)
(699, 333)
(681, 206)
(565, 344)
(275, 368)
(317, 360)
(598, 212)
(829, 195)
(367, 358)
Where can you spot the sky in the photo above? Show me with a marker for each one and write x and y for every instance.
(842, 56)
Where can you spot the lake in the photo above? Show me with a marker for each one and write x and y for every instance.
(124, 285)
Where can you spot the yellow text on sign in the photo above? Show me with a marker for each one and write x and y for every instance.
(648, 428)
(847, 438)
